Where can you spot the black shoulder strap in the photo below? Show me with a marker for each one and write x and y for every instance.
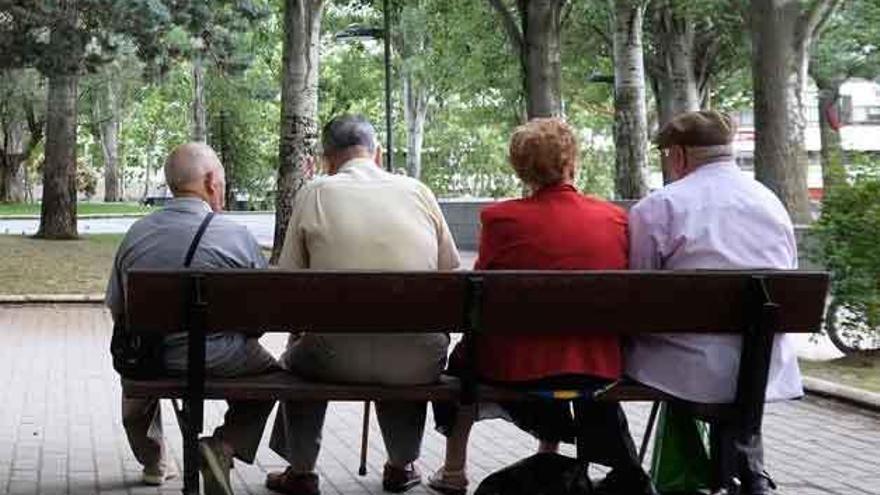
(195, 242)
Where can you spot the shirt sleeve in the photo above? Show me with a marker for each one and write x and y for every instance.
(258, 260)
(113, 299)
(293, 253)
(646, 227)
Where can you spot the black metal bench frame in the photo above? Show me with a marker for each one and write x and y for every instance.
(756, 312)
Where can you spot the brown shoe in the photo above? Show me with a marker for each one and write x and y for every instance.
(399, 480)
(291, 483)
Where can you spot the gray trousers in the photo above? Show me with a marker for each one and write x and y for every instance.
(377, 359)
(244, 421)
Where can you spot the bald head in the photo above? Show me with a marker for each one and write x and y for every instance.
(194, 170)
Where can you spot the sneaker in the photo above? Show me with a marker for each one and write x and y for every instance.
(399, 480)
(158, 474)
(449, 482)
(215, 467)
(290, 483)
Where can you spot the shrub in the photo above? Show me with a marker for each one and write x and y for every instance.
(848, 234)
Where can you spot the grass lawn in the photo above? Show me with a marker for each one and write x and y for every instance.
(857, 370)
(35, 266)
(81, 208)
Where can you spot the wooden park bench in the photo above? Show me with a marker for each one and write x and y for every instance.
(756, 305)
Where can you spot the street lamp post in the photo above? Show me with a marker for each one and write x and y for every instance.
(389, 140)
(361, 32)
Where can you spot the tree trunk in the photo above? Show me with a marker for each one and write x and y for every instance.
(415, 111)
(677, 90)
(541, 28)
(199, 129)
(778, 79)
(833, 170)
(12, 159)
(630, 112)
(58, 211)
(299, 106)
(107, 126)
(223, 145)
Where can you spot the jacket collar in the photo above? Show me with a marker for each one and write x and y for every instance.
(188, 205)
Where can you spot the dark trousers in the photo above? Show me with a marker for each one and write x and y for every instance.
(738, 451)
(736, 447)
(603, 436)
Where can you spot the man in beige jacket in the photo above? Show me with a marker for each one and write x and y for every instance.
(361, 217)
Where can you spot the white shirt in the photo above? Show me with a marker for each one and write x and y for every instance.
(714, 218)
(364, 218)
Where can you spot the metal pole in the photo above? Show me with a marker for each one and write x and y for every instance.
(389, 140)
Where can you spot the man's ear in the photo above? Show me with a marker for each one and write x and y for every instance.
(209, 183)
(377, 156)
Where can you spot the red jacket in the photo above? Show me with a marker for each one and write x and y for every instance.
(555, 229)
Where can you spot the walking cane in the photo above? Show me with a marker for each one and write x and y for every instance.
(365, 437)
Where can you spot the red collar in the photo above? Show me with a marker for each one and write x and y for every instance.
(555, 188)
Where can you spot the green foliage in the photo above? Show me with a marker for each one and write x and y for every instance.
(848, 234)
(157, 120)
(849, 44)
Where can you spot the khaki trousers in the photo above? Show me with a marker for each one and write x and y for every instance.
(380, 359)
(243, 423)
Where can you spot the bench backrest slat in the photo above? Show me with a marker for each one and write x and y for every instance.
(624, 302)
(272, 300)
(645, 302)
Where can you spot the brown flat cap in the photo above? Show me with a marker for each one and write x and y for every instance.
(703, 128)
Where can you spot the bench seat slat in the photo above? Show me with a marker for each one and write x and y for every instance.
(282, 385)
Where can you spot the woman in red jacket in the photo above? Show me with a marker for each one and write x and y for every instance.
(555, 228)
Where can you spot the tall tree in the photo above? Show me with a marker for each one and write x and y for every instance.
(534, 32)
(22, 108)
(412, 42)
(83, 35)
(102, 95)
(847, 49)
(630, 110)
(299, 106)
(782, 33)
(58, 208)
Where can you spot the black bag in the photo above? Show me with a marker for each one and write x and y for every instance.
(540, 474)
(142, 356)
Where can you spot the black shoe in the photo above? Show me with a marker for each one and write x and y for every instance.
(399, 480)
(618, 482)
(761, 484)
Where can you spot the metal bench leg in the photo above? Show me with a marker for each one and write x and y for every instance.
(194, 403)
(365, 439)
(190, 451)
(649, 430)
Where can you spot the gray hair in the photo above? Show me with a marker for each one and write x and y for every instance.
(347, 131)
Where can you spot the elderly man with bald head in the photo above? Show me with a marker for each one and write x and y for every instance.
(161, 240)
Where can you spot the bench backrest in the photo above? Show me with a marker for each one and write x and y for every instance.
(621, 302)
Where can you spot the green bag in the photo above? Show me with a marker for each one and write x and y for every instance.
(680, 462)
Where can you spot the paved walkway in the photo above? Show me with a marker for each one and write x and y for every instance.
(60, 429)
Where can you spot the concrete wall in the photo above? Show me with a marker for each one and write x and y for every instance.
(463, 217)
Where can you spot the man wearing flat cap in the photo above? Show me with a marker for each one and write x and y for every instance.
(711, 216)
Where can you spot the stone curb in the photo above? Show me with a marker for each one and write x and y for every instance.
(96, 216)
(102, 216)
(851, 395)
(11, 299)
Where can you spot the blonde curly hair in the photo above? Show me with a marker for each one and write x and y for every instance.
(544, 152)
